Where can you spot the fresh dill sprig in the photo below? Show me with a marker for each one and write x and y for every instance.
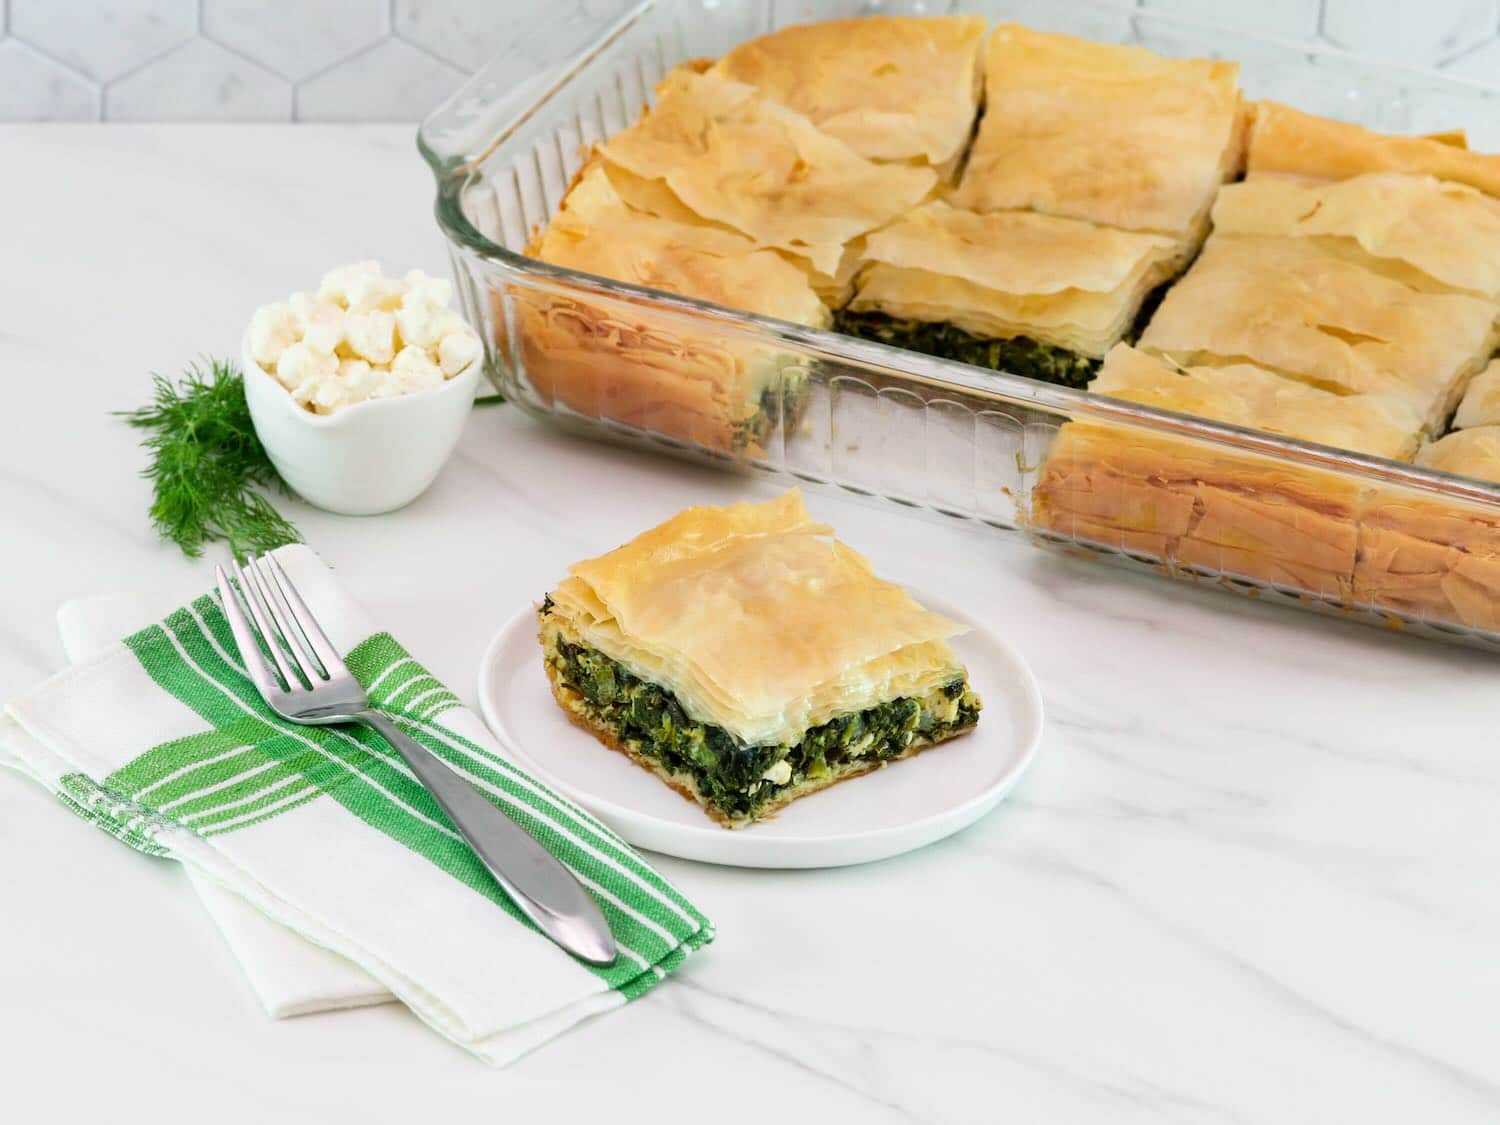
(207, 465)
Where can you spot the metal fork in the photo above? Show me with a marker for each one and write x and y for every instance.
(308, 684)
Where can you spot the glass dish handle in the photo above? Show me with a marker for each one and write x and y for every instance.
(540, 58)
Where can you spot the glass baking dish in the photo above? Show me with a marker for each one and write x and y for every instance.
(1274, 518)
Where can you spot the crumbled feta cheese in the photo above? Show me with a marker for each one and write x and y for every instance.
(412, 370)
(457, 350)
(299, 362)
(434, 291)
(362, 335)
(419, 323)
(271, 330)
(370, 293)
(308, 310)
(324, 336)
(372, 335)
(779, 773)
(337, 283)
(354, 371)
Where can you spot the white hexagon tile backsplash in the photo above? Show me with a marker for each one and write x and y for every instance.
(392, 60)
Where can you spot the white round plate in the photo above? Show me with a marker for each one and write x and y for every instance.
(884, 813)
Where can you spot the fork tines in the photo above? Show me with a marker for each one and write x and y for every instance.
(279, 625)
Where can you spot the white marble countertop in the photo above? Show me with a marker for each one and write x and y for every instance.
(1251, 878)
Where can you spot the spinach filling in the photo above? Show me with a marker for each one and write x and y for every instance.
(1019, 356)
(782, 400)
(730, 775)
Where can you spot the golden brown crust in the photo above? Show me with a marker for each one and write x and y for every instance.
(1288, 306)
(738, 159)
(1111, 134)
(890, 87)
(561, 692)
(627, 364)
(1435, 560)
(1473, 452)
(1283, 139)
(1245, 395)
(1188, 507)
(1431, 234)
(1185, 504)
(1481, 402)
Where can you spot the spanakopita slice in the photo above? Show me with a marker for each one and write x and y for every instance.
(736, 158)
(644, 367)
(1111, 134)
(1283, 139)
(749, 658)
(1430, 234)
(1242, 394)
(1185, 503)
(1285, 304)
(1017, 291)
(898, 88)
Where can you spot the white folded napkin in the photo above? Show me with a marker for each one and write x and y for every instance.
(334, 876)
(289, 974)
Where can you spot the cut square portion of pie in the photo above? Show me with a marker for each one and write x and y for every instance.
(648, 369)
(1109, 134)
(1017, 291)
(735, 158)
(1430, 234)
(1283, 139)
(749, 658)
(1288, 305)
(1182, 502)
(899, 88)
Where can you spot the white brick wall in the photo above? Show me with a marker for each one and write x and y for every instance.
(391, 60)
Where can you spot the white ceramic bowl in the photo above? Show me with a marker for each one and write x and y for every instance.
(364, 459)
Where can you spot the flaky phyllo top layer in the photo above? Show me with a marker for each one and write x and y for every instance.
(757, 619)
(738, 159)
(598, 231)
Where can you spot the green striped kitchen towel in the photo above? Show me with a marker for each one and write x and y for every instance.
(161, 741)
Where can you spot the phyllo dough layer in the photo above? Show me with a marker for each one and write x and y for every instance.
(646, 368)
(1469, 453)
(737, 158)
(1481, 401)
(1435, 559)
(1284, 304)
(1428, 233)
(789, 662)
(598, 232)
(1183, 503)
(1283, 139)
(1242, 394)
(890, 87)
(1110, 134)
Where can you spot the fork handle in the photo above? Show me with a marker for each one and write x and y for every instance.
(538, 883)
